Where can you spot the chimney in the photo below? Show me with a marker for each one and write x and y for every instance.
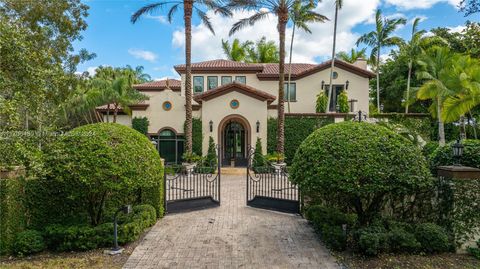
(361, 63)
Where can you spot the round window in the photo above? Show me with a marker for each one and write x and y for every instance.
(234, 104)
(335, 75)
(167, 105)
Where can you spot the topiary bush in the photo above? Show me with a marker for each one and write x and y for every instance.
(444, 155)
(28, 242)
(343, 106)
(321, 102)
(258, 158)
(402, 240)
(433, 238)
(105, 165)
(372, 240)
(364, 163)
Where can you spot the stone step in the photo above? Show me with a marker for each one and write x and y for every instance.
(233, 170)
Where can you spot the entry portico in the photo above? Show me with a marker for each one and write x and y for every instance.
(235, 115)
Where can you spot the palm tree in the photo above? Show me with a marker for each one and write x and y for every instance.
(379, 38)
(301, 15)
(464, 79)
(413, 49)
(353, 56)
(281, 9)
(263, 52)
(139, 74)
(188, 7)
(237, 51)
(436, 64)
(338, 6)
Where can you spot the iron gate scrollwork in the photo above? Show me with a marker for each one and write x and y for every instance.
(268, 185)
(192, 187)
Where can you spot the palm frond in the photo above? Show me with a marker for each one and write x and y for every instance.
(241, 24)
(171, 12)
(205, 19)
(150, 9)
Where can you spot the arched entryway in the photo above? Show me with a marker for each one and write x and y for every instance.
(234, 134)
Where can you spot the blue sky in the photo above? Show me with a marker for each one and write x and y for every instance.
(158, 46)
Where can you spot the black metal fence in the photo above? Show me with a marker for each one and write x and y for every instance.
(268, 185)
(192, 188)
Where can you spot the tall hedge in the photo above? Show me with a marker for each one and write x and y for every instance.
(141, 124)
(364, 164)
(102, 166)
(12, 212)
(197, 136)
(297, 128)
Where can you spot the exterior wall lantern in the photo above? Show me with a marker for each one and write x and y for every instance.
(346, 84)
(126, 209)
(457, 152)
(323, 84)
(211, 126)
(258, 126)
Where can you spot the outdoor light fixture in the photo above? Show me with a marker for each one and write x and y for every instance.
(211, 126)
(381, 108)
(346, 84)
(457, 151)
(323, 84)
(258, 126)
(126, 209)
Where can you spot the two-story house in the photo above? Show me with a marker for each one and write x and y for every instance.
(234, 101)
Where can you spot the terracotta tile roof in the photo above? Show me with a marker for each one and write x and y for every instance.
(235, 86)
(272, 69)
(302, 70)
(221, 65)
(174, 84)
(269, 71)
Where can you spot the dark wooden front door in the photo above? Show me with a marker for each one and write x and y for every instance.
(234, 137)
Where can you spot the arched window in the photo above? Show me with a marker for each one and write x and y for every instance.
(170, 145)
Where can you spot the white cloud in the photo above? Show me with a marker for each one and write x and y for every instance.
(457, 29)
(143, 54)
(307, 47)
(420, 4)
(161, 19)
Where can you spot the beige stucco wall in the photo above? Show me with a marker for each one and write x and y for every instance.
(251, 109)
(158, 117)
(121, 119)
(308, 88)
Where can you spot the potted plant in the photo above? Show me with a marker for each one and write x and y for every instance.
(277, 160)
(190, 161)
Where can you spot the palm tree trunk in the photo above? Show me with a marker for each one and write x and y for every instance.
(290, 68)
(408, 85)
(282, 24)
(187, 7)
(378, 79)
(441, 127)
(115, 113)
(108, 113)
(330, 88)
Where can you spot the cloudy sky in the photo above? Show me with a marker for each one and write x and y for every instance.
(158, 46)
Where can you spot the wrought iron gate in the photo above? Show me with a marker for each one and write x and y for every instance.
(268, 185)
(192, 188)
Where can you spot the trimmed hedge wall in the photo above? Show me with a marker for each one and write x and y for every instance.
(297, 128)
(12, 212)
(140, 124)
(197, 136)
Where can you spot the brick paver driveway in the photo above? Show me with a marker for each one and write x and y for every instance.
(231, 236)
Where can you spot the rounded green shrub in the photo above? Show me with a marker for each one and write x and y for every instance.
(363, 163)
(372, 240)
(402, 240)
(433, 238)
(28, 242)
(105, 165)
(444, 155)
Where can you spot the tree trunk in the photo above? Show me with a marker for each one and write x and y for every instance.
(441, 127)
(115, 113)
(378, 79)
(108, 113)
(332, 66)
(187, 7)
(282, 24)
(290, 68)
(408, 85)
